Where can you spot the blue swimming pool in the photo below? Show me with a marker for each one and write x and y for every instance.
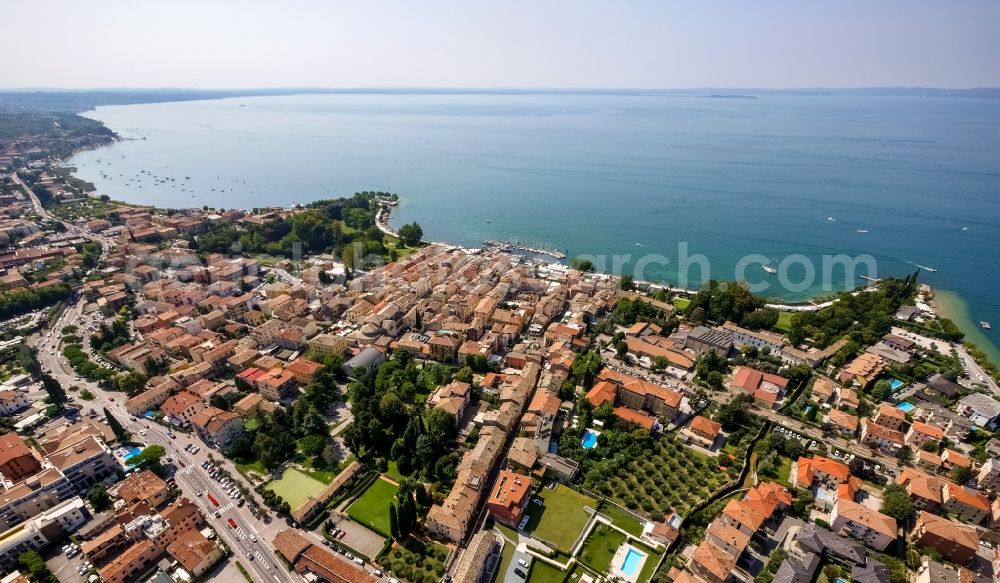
(894, 384)
(906, 407)
(630, 565)
(131, 453)
(589, 440)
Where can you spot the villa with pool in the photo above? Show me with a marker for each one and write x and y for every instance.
(628, 563)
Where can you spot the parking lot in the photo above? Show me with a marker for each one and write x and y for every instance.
(66, 567)
(358, 536)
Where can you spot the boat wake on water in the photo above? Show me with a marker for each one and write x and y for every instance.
(924, 267)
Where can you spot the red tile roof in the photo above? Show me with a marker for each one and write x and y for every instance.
(601, 392)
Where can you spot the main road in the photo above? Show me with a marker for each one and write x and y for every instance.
(191, 478)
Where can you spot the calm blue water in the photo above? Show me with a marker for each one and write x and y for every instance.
(906, 407)
(904, 179)
(630, 565)
(589, 440)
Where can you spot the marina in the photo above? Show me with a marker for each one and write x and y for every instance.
(518, 246)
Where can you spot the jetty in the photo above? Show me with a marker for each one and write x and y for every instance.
(382, 217)
(518, 246)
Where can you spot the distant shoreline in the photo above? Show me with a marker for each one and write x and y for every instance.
(31, 100)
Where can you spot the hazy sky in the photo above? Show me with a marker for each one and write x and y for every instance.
(506, 43)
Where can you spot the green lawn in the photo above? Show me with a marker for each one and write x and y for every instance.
(316, 468)
(784, 322)
(372, 507)
(295, 487)
(506, 556)
(254, 466)
(544, 573)
(507, 532)
(622, 519)
(681, 303)
(649, 567)
(600, 548)
(561, 518)
(394, 473)
(577, 570)
(783, 472)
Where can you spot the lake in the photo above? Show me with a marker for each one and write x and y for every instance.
(906, 180)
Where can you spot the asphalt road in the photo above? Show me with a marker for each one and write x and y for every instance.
(190, 478)
(838, 442)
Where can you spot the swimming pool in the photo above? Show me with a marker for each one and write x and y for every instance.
(894, 384)
(589, 440)
(906, 407)
(630, 565)
(130, 453)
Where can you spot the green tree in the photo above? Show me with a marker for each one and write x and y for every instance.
(98, 497)
(312, 445)
(34, 565)
(423, 497)
(411, 234)
(57, 396)
(881, 390)
(149, 458)
(896, 502)
(961, 475)
(761, 319)
(403, 518)
(120, 432)
(586, 366)
(347, 256)
(393, 522)
(581, 264)
(130, 382)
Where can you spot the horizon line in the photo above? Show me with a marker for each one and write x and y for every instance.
(537, 89)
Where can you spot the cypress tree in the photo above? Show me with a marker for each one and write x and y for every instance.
(116, 427)
(393, 522)
(403, 520)
(423, 498)
(411, 512)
